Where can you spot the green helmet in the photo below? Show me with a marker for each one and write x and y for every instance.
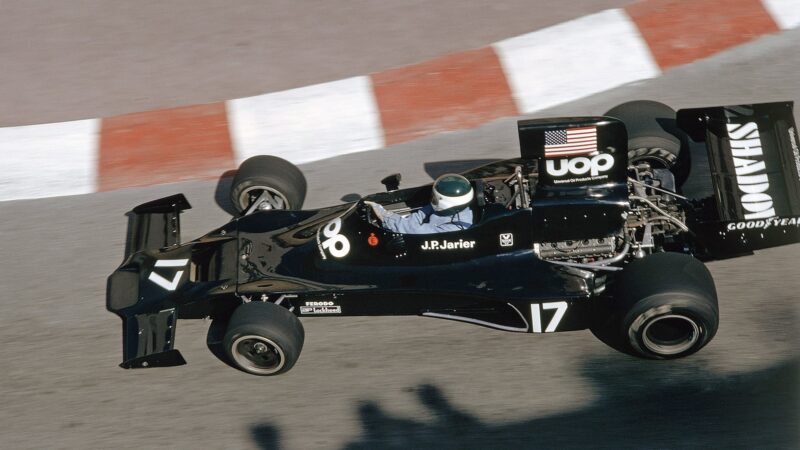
(451, 193)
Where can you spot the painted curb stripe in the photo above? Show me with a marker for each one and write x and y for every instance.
(48, 160)
(164, 146)
(786, 13)
(575, 59)
(679, 32)
(308, 124)
(523, 74)
(455, 92)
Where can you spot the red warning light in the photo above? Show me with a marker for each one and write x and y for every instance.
(372, 240)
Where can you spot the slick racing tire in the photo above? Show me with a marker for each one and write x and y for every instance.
(664, 307)
(281, 182)
(263, 339)
(654, 137)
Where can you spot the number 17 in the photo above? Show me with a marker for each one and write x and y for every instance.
(536, 315)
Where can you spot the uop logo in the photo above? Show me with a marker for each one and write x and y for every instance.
(581, 165)
(751, 172)
(336, 244)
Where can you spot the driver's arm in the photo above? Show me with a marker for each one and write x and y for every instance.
(413, 223)
(378, 210)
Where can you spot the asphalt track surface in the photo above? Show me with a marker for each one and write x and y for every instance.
(395, 382)
(79, 59)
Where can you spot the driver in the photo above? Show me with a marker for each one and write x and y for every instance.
(448, 210)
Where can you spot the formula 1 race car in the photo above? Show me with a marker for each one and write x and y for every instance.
(590, 228)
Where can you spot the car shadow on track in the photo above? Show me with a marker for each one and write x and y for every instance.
(639, 405)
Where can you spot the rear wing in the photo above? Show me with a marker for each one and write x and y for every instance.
(755, 170)
(155, 224)
(754, 158)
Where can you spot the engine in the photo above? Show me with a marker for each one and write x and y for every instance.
(656, 216)
(653, 222)
(579, 251)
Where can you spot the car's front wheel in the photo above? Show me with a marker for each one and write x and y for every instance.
(263, 339)
(267, 182)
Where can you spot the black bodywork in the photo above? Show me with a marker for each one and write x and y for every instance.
(504, 272)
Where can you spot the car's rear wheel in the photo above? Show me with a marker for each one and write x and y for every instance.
(263, 339)
(267, 182)
(664, 307)
(654, 137)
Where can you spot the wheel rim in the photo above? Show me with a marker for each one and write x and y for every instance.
(258, 355)
(670, 335)
(272, 198)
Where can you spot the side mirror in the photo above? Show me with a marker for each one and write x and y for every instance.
(392, 182)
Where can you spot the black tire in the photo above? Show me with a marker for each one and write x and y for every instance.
(664, 307)
(263, 339)
(654, 137)
(284, 182)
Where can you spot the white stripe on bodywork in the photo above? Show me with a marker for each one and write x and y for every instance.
(171, 262)
(49, 160)
(786, 13)
(482, 322)
(307, 124)
(169, 285)
(575, 59)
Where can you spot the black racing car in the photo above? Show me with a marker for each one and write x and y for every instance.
(592, 227)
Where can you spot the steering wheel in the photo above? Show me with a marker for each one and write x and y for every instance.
(365, 211)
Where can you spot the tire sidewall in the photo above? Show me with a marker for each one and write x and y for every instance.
(699, 310)
(271, 172)
(278, 343)
(269, 321)
(277, 184)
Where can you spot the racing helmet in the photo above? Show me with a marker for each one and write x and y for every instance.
(451, 193)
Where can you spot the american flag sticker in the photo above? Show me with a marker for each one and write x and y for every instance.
(570, 142)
